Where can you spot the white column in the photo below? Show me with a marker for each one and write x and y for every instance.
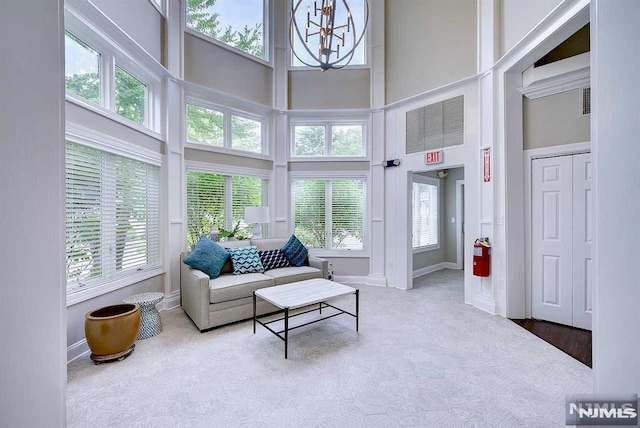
(615, 60)
(377, 197)
(173, 167)
(33, 320)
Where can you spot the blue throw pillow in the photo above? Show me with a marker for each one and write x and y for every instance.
(273, 259)
(245, 260)
(295, 251)
(208, 257)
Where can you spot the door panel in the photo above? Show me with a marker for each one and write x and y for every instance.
(551, 218)
(582, 236)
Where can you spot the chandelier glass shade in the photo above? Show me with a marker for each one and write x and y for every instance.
(323, 33)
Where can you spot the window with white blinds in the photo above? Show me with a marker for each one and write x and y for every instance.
(112, 216)
(218, 201)
(425, 226)
(329, 214)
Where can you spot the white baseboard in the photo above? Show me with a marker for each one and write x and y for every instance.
(434, 268)
(351, 280)
(170, 301)
(377, 280)
(81, 348)
(486, 304)
(77, 350)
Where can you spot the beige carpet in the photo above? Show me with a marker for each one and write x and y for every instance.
(422, 358)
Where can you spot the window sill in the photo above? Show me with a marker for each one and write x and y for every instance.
(338, 253)
(113, 116)
(426, 249)
(329, 158)
(99, 290)
(227, 151)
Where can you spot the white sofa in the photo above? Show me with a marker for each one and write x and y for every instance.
(229, 298)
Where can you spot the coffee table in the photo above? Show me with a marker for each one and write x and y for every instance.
(299, 295)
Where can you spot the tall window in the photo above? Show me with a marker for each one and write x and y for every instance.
(131, 97)
(82, 69)
(217, 201)
(112, 216)
(91, 75)
(425, 226)
(328, 139)
(329, 214)
(240, 24)
(220, 127)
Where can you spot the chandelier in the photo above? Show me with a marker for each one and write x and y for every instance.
(329, 35)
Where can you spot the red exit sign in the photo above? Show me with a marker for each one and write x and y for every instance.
(433, 157)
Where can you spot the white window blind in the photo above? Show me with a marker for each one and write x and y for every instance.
(112, 216)
(329, 214)
(217, 201)
(425, 215)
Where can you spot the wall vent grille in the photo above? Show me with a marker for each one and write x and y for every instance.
(585, 103)
(435, 126)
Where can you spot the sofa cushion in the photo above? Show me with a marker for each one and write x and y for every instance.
(293, 274)
(228, 267)
(273, 259)
(208, 257)
(230, 287)
(265, 244)
(295, 251)
(245, 260)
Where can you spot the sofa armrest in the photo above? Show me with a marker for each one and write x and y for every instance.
(194, 289)
(322, 264)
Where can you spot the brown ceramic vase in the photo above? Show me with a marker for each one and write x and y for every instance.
(111, 331)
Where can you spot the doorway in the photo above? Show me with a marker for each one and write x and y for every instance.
(561, 235)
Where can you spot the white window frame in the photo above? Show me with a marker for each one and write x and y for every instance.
(88, 137)
(266, 18)
(434, 182)
(328, 176)
(229, 171)
(227, 113)
(110, 56)
(328, 140)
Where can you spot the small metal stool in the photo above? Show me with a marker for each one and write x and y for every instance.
(150, 322)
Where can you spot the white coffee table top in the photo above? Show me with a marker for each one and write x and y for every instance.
(303, 293)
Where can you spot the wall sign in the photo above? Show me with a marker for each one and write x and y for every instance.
(433, 157)
(486, 164)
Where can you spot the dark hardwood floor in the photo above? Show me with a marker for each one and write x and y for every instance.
(573, 341)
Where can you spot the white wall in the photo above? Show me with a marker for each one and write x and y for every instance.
(139, 19)
(32, 299)
(518, 17)
(335, 89)
(428, 44)
(555, 119)
(218, 68)
(615, 60)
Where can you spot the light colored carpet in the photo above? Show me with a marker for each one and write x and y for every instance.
(421, 358)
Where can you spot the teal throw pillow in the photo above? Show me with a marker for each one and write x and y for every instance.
(245, 260)
(208, 257)
(295, 251)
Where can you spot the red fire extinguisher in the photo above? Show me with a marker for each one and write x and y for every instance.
(481, 257)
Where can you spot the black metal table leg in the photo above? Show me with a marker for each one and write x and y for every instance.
(357, 307)
(286, 332)
(320, 307)
(254, 312)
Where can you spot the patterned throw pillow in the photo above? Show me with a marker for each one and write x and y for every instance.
(208, 257)
(245, 260)
(295, 251)
(273, 259)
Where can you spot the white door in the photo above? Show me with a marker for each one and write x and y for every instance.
(561, 233)
(582, 236)
(551, 224)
